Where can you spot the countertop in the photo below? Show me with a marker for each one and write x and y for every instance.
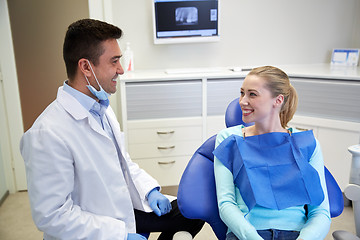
(321, 71)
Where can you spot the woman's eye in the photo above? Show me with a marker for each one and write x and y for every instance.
(253, 94)
(242, 93)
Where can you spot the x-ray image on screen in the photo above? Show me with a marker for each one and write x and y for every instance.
(186, 16)
(181, 21)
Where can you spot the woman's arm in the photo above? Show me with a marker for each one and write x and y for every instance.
(229, 210)
(318, 224)
(231, 213)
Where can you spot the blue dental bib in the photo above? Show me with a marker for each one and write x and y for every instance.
(272, 169)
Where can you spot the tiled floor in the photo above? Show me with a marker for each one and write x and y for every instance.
(16, 222)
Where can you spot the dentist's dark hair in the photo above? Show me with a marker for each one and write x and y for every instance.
(277, 81)
(84, 39)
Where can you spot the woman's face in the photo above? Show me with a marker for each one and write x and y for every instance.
(256, 101)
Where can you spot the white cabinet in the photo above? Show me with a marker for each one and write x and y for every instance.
(166, 117)
(163, 125)
(151, 139)
(335, 142)
(331, 108)
(163, 147)
(220, 92)
(335, 137)
(328, 98)
(164, 99)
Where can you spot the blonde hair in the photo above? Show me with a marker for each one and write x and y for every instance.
(278, 83)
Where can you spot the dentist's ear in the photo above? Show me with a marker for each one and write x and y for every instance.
(84, 67)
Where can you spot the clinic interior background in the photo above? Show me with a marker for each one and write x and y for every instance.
(253, 33)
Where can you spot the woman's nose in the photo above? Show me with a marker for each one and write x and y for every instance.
(242, 101)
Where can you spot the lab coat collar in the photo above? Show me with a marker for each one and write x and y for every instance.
(77, 111)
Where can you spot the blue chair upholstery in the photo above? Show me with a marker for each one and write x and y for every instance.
(146, 235)
(336, 199)
(197, 193)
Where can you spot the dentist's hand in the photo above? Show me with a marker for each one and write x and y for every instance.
(135, 236)
(158, 202)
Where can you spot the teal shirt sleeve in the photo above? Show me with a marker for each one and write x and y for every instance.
(318, 223)
(230, 212)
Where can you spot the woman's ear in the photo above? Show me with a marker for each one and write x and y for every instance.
(279, 100)
(83, 65)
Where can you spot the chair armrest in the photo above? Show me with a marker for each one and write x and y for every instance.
(344, 235)
(352, 192)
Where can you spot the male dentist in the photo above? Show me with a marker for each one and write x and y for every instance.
(82, 183)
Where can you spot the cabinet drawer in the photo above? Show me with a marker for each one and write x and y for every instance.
(166, 99)
(330, 99)
(165, 149)
(164, 134)
(167, 171)
(220, 93)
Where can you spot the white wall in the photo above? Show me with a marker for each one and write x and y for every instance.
(253, 32)
(356, 27)
(15, 180)
(3, 143)
(3, 185)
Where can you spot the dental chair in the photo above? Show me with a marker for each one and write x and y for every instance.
(352, 192)
(197, 194)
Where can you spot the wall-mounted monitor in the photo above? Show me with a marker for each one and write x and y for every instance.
(181, 21)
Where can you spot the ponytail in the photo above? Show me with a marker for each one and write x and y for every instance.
(289, 107)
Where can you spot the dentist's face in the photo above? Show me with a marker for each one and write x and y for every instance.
(108, 67)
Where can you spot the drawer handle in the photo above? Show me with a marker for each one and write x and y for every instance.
(164, 148)
(171, 162)
(165, 132)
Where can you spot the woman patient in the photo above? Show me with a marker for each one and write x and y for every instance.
(270, 179)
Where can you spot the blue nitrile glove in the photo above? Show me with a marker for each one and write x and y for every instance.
(135, 236)
(158, 202)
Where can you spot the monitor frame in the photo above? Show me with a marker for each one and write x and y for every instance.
(184, 39)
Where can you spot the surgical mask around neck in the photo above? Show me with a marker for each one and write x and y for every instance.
(101, 94)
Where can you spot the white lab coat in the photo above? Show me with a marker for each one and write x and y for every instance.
(75, 183)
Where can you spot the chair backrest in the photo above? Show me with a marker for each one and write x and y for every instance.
(336, 199)
(197, 192)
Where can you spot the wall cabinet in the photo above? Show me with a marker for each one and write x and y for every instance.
(166, 117)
